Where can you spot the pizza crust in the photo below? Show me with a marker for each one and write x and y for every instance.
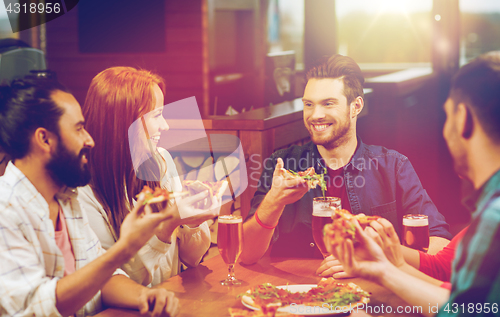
(155, 200)
(249, 301)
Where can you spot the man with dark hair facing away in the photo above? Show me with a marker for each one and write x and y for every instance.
(472, 133)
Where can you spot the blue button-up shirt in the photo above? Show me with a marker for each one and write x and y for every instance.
(378, 181)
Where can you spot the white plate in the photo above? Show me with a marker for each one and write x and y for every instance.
(301, 309)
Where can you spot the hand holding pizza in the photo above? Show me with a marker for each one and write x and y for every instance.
(286, 188)
(189, 215)
(382, 231)
(342, 229)
(185, 213)
(140, 224)
(367, 259)
(182, 210)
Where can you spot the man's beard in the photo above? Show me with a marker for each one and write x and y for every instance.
(66, 168)
(338, 138)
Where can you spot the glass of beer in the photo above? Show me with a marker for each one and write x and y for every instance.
(416, 232)
(230, 242)
(323, 208)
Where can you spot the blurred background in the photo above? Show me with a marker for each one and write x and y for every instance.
(244, 62)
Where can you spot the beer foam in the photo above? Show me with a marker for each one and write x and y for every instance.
(322, 213)
(415, 222)
(230, 219)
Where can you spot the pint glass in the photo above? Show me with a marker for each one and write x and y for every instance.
(416, 232)
(323, 208)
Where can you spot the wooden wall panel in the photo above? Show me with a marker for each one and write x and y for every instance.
(180, 64)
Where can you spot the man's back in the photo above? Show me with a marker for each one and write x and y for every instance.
(476, 275)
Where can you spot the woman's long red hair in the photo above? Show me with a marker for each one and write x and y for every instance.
(116, 98)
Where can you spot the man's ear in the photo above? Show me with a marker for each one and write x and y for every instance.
(357, 106)
(43, 140)
(465, 121)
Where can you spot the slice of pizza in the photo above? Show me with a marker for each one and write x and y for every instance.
(263, 295)
(216, 189)
(342, 228)
(157, 196)
(312, 179)
(338, 296)
(362, 219)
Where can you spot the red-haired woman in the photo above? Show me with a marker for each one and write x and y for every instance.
(122, 107)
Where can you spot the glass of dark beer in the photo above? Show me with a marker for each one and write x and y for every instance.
(230, 242)
(323, 208)
(416, 232)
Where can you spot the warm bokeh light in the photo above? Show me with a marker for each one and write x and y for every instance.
(393, 6)
(344, 7)
(385, 31)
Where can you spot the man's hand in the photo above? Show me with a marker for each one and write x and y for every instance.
(140, 225)
(286, 189)
(332, 267)
(121, 291)
(367, 260)
(159, 302)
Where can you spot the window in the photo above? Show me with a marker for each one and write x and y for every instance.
(5, 28)
(385, 31)
(285, 21)
(480, 28)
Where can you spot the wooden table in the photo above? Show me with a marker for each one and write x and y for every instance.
(201, 294)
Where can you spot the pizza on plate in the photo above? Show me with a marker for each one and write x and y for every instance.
(337, 296)
(240, 312)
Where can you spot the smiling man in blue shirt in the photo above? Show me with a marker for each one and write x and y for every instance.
(369, 179)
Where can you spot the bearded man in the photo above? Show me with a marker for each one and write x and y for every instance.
(52, 263)
(369, 179)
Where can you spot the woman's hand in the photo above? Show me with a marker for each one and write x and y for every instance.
(366, 260)
(386, 237)
(188, 215)
(184, 213)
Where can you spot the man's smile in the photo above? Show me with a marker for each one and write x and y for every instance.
(320, 127)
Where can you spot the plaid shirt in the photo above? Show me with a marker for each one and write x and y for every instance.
(476, 268)
(30, 261)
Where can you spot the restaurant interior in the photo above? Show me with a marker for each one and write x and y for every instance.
(244, 61)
